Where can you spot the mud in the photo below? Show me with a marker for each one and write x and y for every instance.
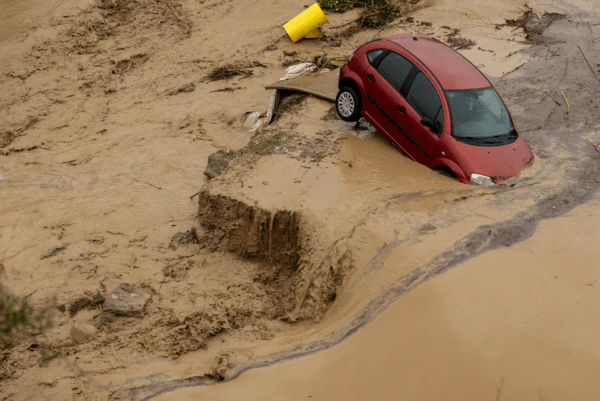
(315, 229)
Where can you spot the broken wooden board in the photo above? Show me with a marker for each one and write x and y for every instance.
(324, 85)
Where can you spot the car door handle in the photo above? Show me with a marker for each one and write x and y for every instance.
(402, 109)
(371, 77)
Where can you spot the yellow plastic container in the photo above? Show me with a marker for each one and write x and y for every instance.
(304, 25)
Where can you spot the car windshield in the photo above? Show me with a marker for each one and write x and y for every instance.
(479, 117)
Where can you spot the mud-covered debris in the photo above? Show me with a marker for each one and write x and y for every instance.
(184, 88)
(81, 332)
(334, 42)
(376, 13)
(532, 23)
(221, 366)
(228, 71)
(331, 114)
(126, 300)
(89, 301)
(217, 162)
(3, 178)
(461, 43)
(6, 138)
(188, 88)
(55, 251)
(427, 228)
(182, 238)
(129, 63)
(271, 48)
(288, 101)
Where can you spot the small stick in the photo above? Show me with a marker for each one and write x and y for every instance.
(199, 60)
(192, 197)
(532, 129)
(589, 26)
(566, 101)
(511, 71)
(564, 73)
(277, 40)
(588, 63)
(147, 183)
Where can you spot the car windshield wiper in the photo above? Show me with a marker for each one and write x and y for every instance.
(510, 135)
(490, 139)
(480, 138)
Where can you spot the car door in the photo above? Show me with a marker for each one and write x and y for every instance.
(383, 79)
(422, 102)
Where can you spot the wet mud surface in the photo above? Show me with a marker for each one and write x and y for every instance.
(314, 232)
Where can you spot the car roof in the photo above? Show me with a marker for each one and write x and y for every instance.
(452, 70)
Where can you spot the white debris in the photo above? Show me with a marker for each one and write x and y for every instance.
(252, 119)
(298, 70)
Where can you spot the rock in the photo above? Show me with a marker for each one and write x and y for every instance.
(126, 300)
(217, 162)
(81, 332)
(271, 48)
(188, 88)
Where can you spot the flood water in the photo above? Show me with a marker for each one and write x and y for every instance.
(512, 324)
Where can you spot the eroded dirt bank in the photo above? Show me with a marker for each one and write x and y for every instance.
(104, 146)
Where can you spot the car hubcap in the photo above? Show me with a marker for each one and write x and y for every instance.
(346, 104)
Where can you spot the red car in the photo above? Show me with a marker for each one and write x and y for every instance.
(435, 106)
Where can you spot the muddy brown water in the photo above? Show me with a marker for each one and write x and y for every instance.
(512, 324)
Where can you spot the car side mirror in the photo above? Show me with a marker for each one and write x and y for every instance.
(427, 122)
(430, 124)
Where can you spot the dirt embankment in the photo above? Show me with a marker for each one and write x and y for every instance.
(302, 277)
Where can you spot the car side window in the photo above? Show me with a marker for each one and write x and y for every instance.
(423, 97)
(395, 68)
(372, 55)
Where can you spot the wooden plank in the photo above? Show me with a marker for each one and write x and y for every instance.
(323, 85)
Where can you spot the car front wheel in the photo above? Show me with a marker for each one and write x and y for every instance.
(347, 104)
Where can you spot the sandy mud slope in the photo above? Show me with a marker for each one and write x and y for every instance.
(317, 227)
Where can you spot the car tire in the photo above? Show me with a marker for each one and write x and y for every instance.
(348, 105)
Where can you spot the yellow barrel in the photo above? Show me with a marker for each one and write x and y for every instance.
(305, 23)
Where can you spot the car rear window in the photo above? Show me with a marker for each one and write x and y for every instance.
(395, 68)
(372, 55)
